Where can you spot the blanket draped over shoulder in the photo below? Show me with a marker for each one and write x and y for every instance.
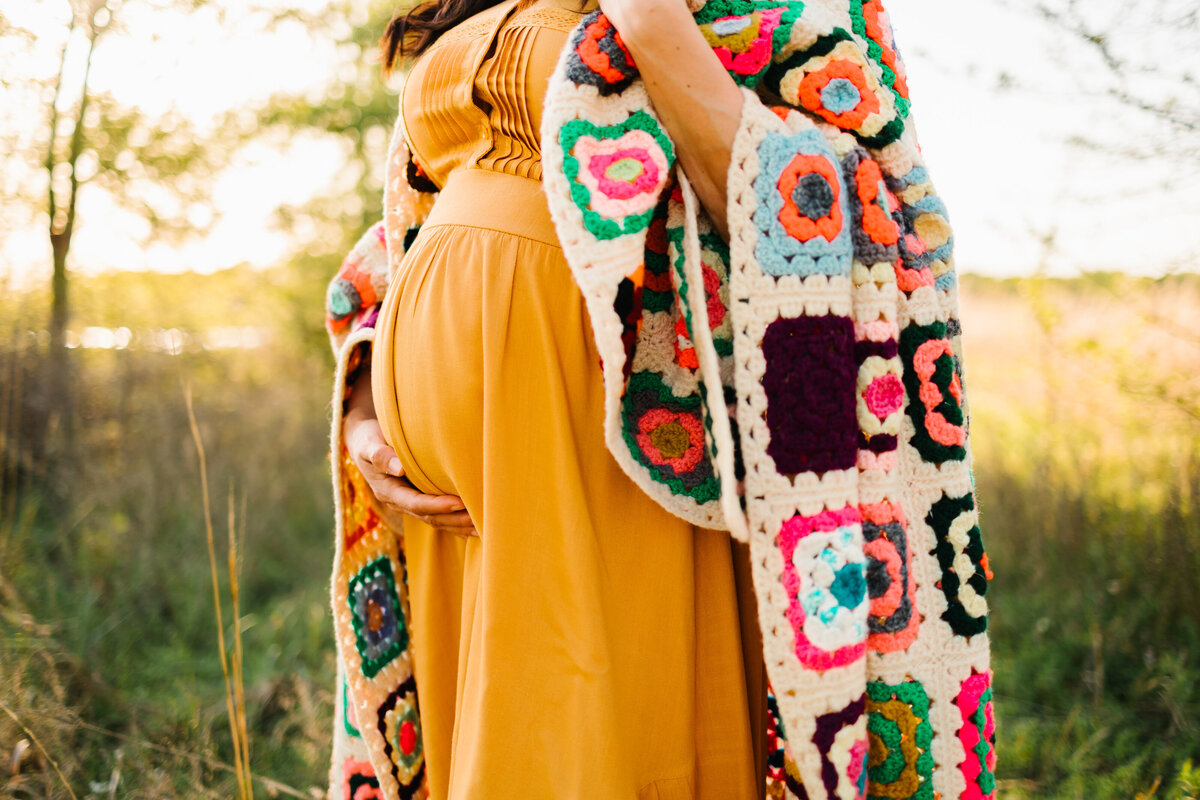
(800, 385)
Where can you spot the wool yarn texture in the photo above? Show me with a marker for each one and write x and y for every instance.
(800, 386)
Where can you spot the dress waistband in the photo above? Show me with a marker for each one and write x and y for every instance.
(479, 198)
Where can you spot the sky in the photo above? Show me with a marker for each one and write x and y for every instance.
(1003, 161)
(1001, 158)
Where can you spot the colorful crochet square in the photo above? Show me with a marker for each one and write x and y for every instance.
(893, 621)
(900, 733)
(841, 739)
(658, 291)
(835, 80)
(934, 393)
(803, 207)
(965, 571)
(400, 724)
(870, 21)
(714, 262)
(359, 514)
(810, 378)
(598, 57)
(378, 619)
(685, 351)
(879, 404)
(348, 293)
(359, 781)
(782, 773)
(876, 211)
(826, 584)
(616, 172)
(930, 222)
(349, 719)
(666, 434)
(714, 266)
(628, 307)
(978, 736)
(927, 242)
(742, 34)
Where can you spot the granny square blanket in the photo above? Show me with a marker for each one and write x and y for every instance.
(800, 385)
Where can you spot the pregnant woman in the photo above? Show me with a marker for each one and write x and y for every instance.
(589, 643)
(522, 615)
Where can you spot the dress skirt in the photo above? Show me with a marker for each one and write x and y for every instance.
(587, 644)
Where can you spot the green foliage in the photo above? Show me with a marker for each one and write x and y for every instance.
(158, 167)
(1088, 492)
(1095, 634)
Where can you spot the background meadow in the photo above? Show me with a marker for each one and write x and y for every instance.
(178, 180)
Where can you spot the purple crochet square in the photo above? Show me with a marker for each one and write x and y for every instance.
(810, 380)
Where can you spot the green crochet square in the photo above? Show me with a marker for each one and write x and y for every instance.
(900, 733)
(379, 625)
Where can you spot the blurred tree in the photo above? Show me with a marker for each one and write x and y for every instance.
(154, 166)
(358, 108)
(62, 192)
(1146, 61)
(1142, 67)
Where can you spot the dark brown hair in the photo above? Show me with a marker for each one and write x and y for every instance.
(411, 32)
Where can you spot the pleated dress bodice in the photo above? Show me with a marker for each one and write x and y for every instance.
(474, 99)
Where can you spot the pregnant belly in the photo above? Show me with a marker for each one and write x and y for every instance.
(482, 309)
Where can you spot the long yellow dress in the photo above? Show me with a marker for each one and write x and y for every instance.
(588, 644)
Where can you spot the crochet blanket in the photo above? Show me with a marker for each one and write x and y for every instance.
(800, 386)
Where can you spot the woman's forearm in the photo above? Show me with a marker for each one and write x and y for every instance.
(698, 101)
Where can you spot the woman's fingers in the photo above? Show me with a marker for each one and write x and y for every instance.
(372, 451)
(381, 467)
(442, 509)
(459, 519)
(384, 460)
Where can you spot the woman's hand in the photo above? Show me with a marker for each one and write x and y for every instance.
(380, 466)
(699, 103)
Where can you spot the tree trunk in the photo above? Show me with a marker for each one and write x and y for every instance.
(60, 425)
(59, 401)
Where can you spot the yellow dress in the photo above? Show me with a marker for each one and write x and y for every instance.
(588, 644)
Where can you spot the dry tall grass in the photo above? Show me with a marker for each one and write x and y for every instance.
(231, 664)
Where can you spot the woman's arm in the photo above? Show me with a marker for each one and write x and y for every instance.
(380, 466)
(698, 101)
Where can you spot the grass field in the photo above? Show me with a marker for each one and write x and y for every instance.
(1084, 399)
(1085, 403)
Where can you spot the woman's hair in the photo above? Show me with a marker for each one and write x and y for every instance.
(411, 32)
